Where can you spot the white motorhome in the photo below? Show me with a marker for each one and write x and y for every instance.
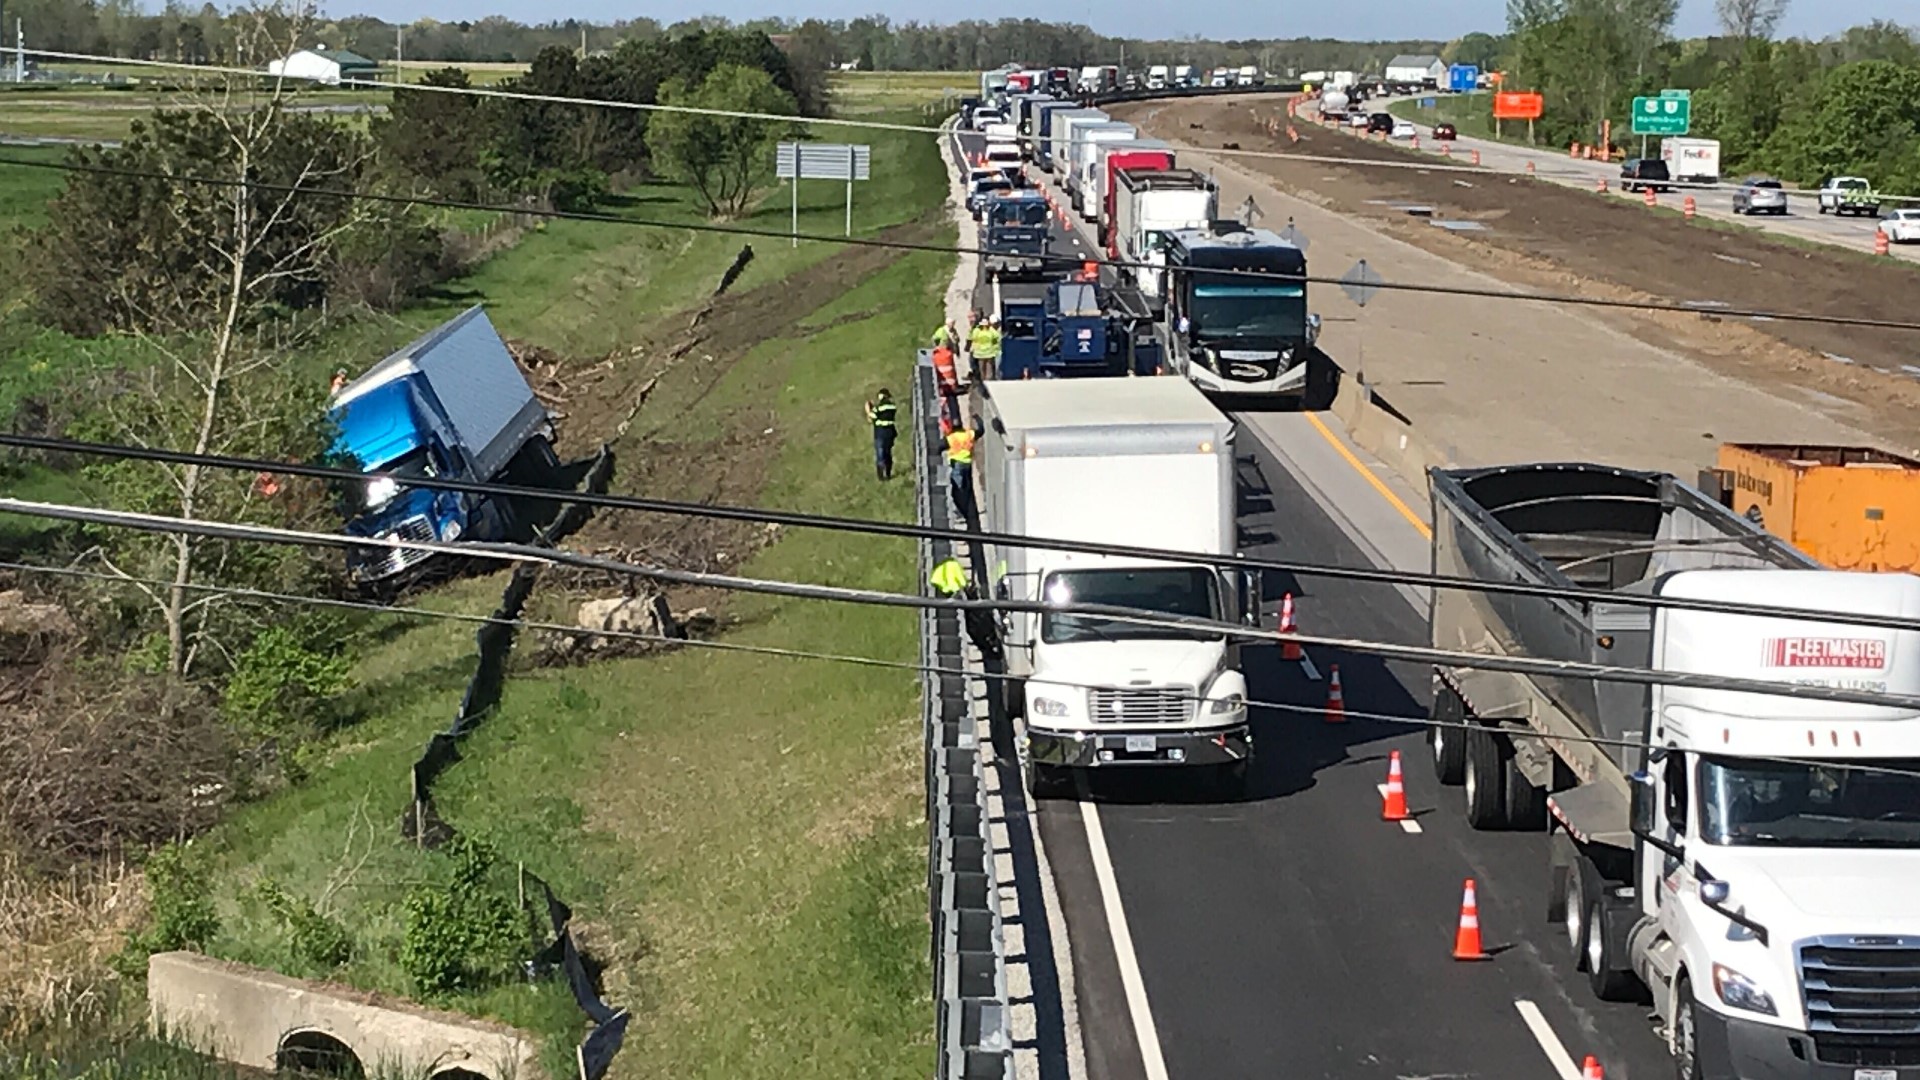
(1144, 462)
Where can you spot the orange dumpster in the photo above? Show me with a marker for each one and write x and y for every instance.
(1851, 507)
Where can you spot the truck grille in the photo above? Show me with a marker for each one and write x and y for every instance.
(1142, 705)
(415, 528)
(1863, 999)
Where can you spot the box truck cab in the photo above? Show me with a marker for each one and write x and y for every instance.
(1145, 462)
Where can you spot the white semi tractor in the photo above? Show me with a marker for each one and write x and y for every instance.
(1751, 860)
(1146, 462)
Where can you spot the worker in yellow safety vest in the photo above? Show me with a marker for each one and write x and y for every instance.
(881, 413)
(984, 344)
(960, 471)
(950, 581)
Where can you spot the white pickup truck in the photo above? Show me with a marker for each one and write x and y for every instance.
(1849, 195)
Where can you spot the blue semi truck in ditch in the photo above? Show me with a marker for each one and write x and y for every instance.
(453, 404)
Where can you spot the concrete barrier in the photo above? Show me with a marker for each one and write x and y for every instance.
(1386, 434)
(264, 1020)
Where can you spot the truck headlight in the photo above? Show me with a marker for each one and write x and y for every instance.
(1046, 706)
(380, 491)
(1739, 992)
(1232, 703)
(451, 532)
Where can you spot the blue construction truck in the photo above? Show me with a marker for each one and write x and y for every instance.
(1014, 229)
(453, 404)
(1075, 329)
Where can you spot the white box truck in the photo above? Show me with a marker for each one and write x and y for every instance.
(1144, 462)
(1692, 160)
(1747, 861)
(1147, 206)
(1066, 140)
(1080, 182)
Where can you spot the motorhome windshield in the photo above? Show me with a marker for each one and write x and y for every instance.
(381, 490)
(1249, 310)
(1810, 804)
(1020, 212)
(1189, 591)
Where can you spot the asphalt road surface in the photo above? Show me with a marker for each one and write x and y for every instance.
(1296, 934)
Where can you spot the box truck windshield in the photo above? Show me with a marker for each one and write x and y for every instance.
(1745, 802)
(1183, 591)
(1244, 310)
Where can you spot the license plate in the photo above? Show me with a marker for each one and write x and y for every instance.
(1876, 1074)
(1146, 744)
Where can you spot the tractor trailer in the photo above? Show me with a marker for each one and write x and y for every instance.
(1147, 206)
(1091, 459)
(1747, 860)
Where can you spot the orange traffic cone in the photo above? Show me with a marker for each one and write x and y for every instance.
(1466, 940)
(1336, 704)
(1289, 650)
(1590, 1069)
(1651, 198)
(1395, 806)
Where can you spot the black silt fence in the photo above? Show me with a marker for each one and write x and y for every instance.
(423, 824)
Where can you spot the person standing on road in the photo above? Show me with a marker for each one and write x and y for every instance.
(881, 414)
(960, 471)
(984, 345)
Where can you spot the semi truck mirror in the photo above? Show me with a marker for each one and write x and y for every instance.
(1641, 813)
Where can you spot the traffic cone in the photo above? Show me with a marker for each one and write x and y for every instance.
(1687, 207)
(1336, 703)
(1602, 188)
(1590, 1069)
(1880, 242)
(1289, 649)
(1395, 805)
(1530, 169)
(1651, 198)
(1466, 940)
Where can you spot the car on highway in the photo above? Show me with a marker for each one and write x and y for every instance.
(1901, 226)
(1445, 132)
(1759, 195)
(1358, 120)
(984, 117)
(1403, 129)
(1380, 122)
(1642, 174)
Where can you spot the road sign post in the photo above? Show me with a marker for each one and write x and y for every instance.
(1662, 115)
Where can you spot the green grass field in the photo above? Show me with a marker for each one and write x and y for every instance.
(739, 835)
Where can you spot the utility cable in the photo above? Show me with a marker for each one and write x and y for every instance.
(901, 530)
(858, 660)
(868, 125)
(526, 553)
(1566, 299)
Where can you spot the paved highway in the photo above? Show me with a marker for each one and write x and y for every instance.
(1295, 934)
(1802, 221)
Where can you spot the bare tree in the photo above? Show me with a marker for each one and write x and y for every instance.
(1749, 20)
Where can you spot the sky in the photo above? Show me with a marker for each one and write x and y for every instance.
(1151, 19)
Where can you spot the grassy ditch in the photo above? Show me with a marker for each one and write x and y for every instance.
(738, 834)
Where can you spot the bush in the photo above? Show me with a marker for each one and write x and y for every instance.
(181, 914)
(319, 942)
(283, 680)
(466, 934)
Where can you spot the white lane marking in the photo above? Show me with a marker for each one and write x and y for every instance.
(1407, 825)
(1130, 981)
(1549, 1042)
(1306, 665)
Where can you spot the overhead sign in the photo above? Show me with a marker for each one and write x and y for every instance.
(1662, 115)
(1518, 106)
(823, 161)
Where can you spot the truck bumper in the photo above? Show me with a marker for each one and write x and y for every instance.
(1140, 746)
(1730, 1048)
(1291, 382)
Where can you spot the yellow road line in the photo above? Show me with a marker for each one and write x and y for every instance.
(1360, 467)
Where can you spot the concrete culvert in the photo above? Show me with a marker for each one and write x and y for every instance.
(457, 1073)
(316, 1053)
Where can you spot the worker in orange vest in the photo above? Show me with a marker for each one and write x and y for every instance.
(946, 374)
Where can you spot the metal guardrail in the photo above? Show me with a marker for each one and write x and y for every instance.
(973, 1015)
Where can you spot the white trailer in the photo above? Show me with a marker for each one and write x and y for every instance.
(1147, 206)
(1088, 138)
(1148, 462)
(1746, 860)
(1695, 160)
(1065, 141)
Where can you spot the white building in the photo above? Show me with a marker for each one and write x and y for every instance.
(1410, 70)
(323, 65)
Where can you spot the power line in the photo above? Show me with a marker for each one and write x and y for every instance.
(1567, 299)
(870, 125)
(860, 660)
(525, 553)
(901, 530)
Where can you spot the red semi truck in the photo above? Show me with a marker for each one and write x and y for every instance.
(1132, 158)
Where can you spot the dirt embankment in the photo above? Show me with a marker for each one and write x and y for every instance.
(1545, 237)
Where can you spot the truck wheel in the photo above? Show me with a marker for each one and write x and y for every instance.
(1610, 980)
(1526, 805)
(1445, 741)
(1485, 780)
(1823, 208)
(1573, 912)
(1686, 1061)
